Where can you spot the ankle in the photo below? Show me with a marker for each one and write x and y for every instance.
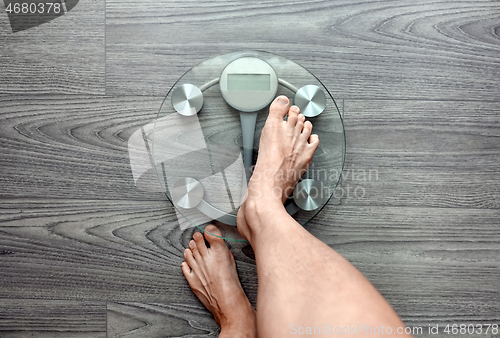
(265, 205)
(254, 214)
(243, 325)
(257, 210)
(238, 332)
(242, 322)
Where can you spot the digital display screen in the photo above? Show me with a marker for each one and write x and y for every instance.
(248, 82)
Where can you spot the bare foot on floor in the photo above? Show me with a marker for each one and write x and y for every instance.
(286, 150)
(211, 274)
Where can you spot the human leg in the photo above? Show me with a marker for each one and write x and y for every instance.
(302, 282)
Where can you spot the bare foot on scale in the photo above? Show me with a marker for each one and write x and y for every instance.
(286, 150)
(211, 274)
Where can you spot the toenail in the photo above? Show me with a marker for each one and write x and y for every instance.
(196, 235)
(192, 244)
(282, 100)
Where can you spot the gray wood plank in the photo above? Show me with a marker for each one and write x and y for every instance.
(73, 225)
(82, 147)
(98, 250)
(422, 153)
(74, 147)
(65, 55)
(160, 320)
(434, 265)
(425, 50)
(52, 318)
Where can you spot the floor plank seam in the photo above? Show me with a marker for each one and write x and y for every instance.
(12, 97)
(415, 207)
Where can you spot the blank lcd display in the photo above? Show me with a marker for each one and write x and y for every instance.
(249, 82)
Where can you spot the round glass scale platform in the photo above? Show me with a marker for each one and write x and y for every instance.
(206, 137)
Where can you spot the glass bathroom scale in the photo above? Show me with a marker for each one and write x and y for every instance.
(206, 136)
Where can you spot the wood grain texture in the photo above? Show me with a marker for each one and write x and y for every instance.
(416, 153)
(47, 319)
(160, 320)
(79, 147)
(72, 146)
(98, 250)
(421, 90)
(434, 265)
(362, 49)
(66, 55)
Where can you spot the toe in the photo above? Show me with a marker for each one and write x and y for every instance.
(279, 107)
(299, 127)
(194, 250)
(306, 131)
(188, 257)
(213, 235)
(186, 271)
(200, 243)
(197, 269)
(314, 141)
(302, 118)
(293, 116)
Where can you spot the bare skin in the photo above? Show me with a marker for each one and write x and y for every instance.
(302, 282)
(211, 274)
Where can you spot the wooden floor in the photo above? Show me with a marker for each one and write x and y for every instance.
(85, 253)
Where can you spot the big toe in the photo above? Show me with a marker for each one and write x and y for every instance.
(279, 107)
(213, 235)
